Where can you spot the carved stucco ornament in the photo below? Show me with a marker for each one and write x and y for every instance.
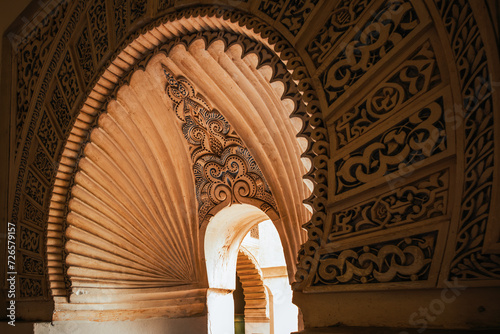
(43, 118)
(225, 171)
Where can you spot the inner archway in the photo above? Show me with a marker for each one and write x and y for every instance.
(249, 274)
(224, 255)
(431, 57)
(262, 270)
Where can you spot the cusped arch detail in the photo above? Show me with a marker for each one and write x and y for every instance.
(54, 55)
(136, 55)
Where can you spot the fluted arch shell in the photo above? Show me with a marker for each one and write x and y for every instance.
(133, 220)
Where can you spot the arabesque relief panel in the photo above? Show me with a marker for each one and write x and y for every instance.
(406, 155)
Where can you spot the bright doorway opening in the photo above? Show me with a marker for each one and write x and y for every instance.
(249, 291)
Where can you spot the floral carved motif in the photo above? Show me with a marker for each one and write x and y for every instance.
(137, 9)
(400, 260)
(32, 266)
(31, 287)
(469, 261)
(99, 28)
(296, 13)
(414, 139)
(60, 109)
(44, 164)
(390, 24)
(225, 172)
(84, 53)
(35, 189)
(68, 80)
(414, 77)
(33, 214)
(30, 240)
(165, 4)
(47, 134)
(271, 8)
(120, 14)
(345, 15)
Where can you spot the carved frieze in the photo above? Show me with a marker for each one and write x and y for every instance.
(33, 214)
(477, 119)
(420, 200)
(120, 16)
(296, 13)
(60, 108)
(32, 265)
(413, 78)
(345, 15)
(401, 260)
(32, 45)
(389, 25)
(30, 240)
(165, 4)
(412, 140)
(137, 9)
(35, 189)
(67, 78)
(50, 50)
(271, 8)
(84, 53)
(44, 164)
(31, 287)
(98, 23)
(47, 134)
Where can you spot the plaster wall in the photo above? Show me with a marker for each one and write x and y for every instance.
(142, 326)
(257, 328)
(270, 244)
(285, 313)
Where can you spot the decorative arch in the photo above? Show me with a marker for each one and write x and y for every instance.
(73, 269)
(225, 172)
(222, 239)
(256, 301)
(435, 58)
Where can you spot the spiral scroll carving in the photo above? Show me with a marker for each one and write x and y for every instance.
(400, 260)
(58, 65)
(469, 261)
(225, 171)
